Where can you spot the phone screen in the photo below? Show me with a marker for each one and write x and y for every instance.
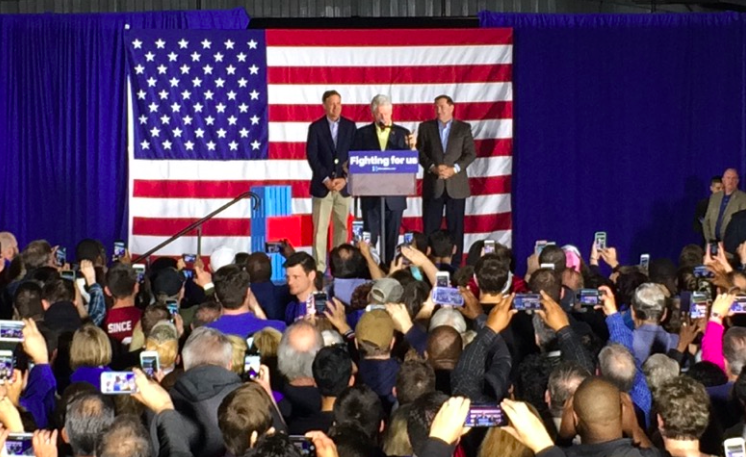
(173, 306)
(734, 447)
(11, 331)
(7, 363)
(140, 269)
(485, 416)
(149, 363)
(408, 238)
(119, 249)
(304, 445)
(273, 248)
(61, 256)
(442, 280)
(319, 302)
(600, 240)
(589, 297)
(251, 365)
(189, 258)
(19, 444)
(526, 302)
(357, 230)
(489, 246)
(118, 382)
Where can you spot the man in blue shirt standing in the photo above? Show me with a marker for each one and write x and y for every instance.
(722, 206)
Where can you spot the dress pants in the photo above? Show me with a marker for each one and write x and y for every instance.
(372, 224)
(432, 217)
(334, 206)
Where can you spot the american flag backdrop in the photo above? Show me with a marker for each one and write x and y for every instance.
(213, 113)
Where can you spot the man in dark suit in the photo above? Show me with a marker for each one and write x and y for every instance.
(383, 135)
(327, 149)
(446, 148)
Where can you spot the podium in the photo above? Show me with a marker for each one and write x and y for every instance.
(383, 174)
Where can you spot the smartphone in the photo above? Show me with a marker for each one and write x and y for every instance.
(304, 445)
(589, 297)
(539, 246)
(7, 363)
(357, 230)
(11, 331)
(442, 279)
(489, 246)
(119, 250)
(189, 258)
(645, 261)
(118, 382)
(173, 307)
(739, 306)
(375, 307)
(701, 271)
(150, 362)
(599, 239)
(485, 416)
(251, 364)
(61, 256)
(527, 302)
(68, 275)
(713, 249)
(447, 296)
(140, 269)
(734, 447)
(408, 239)
(188, 273)
(319, 302)
(698, 310)
(19, 444)
(273, 248)
(366, 237)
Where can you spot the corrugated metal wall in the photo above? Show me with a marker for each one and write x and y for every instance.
(335, 8)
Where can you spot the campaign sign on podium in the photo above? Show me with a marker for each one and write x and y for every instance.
(383, 173)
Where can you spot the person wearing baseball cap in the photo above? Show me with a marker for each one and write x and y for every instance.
(374, 336)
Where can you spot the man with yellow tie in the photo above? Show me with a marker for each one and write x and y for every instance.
(383, 135)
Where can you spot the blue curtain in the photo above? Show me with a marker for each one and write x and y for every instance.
(620, 122)
(63, 130)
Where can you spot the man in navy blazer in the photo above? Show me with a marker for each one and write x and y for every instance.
(383, 135)
(327, 150)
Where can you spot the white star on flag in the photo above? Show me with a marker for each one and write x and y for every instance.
(177, 132)
(187, 120)
(232, 120)
(196, 82)
(153, 107)
(166, 144)
(254, 120)
(172, 57)
(207, 69)
(184, 69)
(189, 145)
(197, 107)
(174, 82)
(254, 95)
(195, 56)
(231, 95)
(242, 82)
(186, 94)
(208, 95)
(206, 44)
(137, 44)
(241, 57)
(183, 44)
(209, 120)
(221, 133)
(139, 69)
(255, 145)
(199, 133)
(163, 94)
(155, 131)
(254, 70)
(143, 119)
(151, 82)
(165, 119)
(149, 56)
(228, 44)
(219, 82)
(160, 44)
(220, 108)
(233, 145)
(162, 69)
(141, 94)
(252, 44)
(175, 107)
(230, 69)
(210, 146)
(243, 107)
(244, 133)
(218, 57)
(145, 144)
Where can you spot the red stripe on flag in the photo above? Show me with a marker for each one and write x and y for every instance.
(210, 189)
(426, 74)
(393, 37)
(485, 148)
(402, 112)
(490, 186)
(153, 226)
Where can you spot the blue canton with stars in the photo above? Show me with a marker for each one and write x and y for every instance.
(198, 95)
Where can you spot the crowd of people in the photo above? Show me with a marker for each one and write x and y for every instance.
(216, 360)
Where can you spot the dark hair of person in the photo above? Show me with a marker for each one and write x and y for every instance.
(259, 267)
(121, 280)
(360, 406)
(414, 296)
(88, 416)
(231, 286)
(491, 273)
(303, 259)
(90, 249)
(415, 379)
(448, 99)
(441, 244)
(346, 261)
(421, 415)
(27, 300)
(556, 256)
(329, 93)
(332, 370)
(709, 374)
(546, 280)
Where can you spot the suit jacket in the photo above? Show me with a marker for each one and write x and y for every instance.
(321, 153)
(737, 203)
(459, 150)
(366, 139)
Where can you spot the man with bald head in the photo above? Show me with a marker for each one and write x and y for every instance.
(298, 348)
(444, 347)
(601, 415)
(722, 206)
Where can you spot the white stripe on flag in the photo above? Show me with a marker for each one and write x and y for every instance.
(387, 56)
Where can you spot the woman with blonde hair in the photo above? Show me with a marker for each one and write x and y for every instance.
(90, 355)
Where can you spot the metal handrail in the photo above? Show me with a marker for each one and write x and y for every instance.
(198, 225)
